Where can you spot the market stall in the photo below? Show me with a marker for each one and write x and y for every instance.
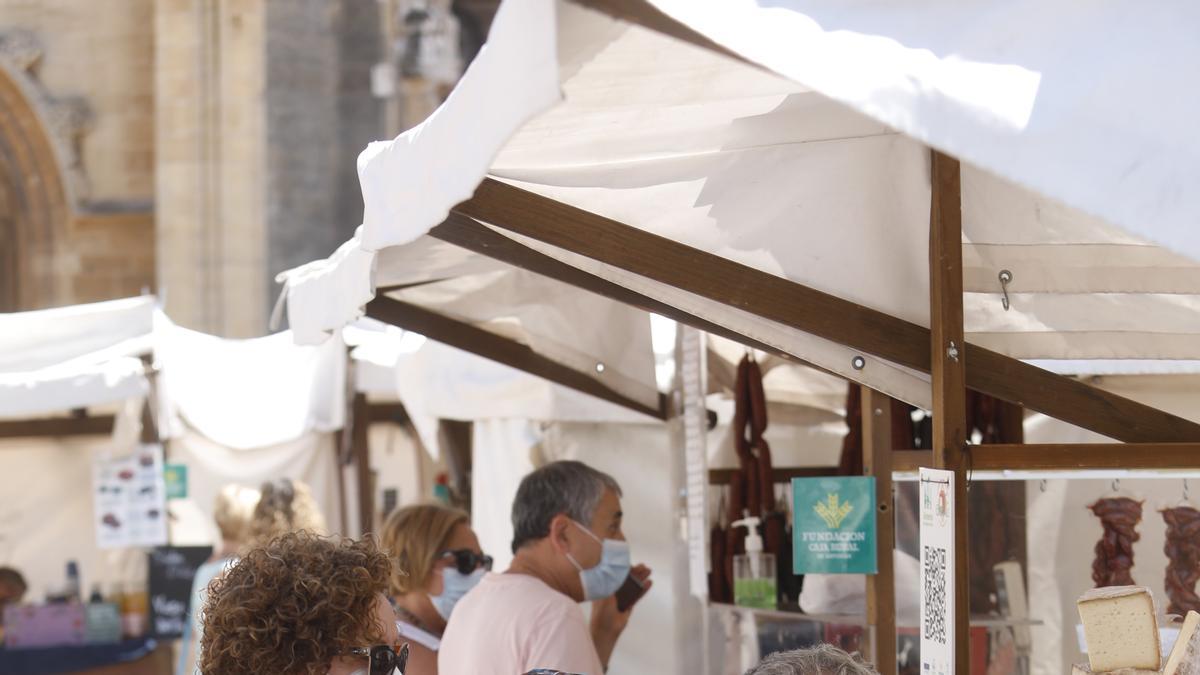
(768, 178)
(98, 405)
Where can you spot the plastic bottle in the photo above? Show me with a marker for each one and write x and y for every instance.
(73, 590)
(754, 571)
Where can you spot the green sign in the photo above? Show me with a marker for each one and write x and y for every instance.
(833, 528)
(175, 478)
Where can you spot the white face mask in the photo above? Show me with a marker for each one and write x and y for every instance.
(455, 585)
(607, 576)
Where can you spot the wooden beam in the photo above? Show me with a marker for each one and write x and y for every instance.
(478, 341)
(948, 361)
(911, 460)
(472, 235)
(360, 451)
(99, 425)
(1051, 457)
(777, 299)
(779, 475)
(881, 587)
(387, 412)
(1063, 457)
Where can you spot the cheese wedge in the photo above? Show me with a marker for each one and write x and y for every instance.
(1121, 628)
(1084, 669)
(1185, 655)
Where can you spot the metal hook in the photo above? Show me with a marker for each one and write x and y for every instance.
(1006, 278)
(1116, 485)
(1042, 485)
(1186, 496)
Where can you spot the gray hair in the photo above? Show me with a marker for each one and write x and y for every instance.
(566, 487)
(819, 660)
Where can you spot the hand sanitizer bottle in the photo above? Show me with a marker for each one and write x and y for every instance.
(754, 571)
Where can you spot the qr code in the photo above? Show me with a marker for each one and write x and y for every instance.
(934, 561)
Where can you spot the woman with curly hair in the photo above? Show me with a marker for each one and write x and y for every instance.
(438, 559)
(303, 605)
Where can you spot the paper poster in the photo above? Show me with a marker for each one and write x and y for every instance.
(937, 572)
(129, 499)
(833, 529)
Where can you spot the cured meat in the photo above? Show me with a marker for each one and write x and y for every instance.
(1114, 552)
(1183, 559)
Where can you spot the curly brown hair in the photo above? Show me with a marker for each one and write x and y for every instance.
(293, 605)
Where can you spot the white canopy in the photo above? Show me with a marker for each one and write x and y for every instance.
(73, 357)
(1077, 152)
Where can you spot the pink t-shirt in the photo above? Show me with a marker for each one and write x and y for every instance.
(513, 623)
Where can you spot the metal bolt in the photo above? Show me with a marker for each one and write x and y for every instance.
(858, 363)
(952, 351)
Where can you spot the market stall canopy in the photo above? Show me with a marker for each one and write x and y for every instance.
(59, 359)
(801, 152)
(252, 393)
(447, 292)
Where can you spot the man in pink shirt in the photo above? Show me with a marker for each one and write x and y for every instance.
(568, 548)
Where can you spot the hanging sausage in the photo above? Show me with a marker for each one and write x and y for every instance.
(1114, 552)
(1183, 559)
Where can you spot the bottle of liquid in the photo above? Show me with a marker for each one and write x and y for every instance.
(754, 571)
(73, 591)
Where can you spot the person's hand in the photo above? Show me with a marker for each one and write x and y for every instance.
(607, 620)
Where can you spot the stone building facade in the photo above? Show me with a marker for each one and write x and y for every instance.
(192, 148)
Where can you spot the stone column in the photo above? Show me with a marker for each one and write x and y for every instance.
(210, 177)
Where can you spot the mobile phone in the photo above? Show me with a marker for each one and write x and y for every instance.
(629, 593)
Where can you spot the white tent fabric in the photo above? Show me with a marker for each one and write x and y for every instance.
(310, 458)
(73, 357)
(251, 393)
(443, 382)
(817, 170)
(1097, 117)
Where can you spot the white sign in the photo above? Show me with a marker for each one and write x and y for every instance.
(129, 499)
(937, 572)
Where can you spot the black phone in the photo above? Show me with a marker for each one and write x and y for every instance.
(629, 593)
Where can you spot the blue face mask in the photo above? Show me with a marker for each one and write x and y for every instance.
(455, 585)
(604, 579)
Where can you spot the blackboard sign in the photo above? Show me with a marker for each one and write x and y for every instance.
(172, 569)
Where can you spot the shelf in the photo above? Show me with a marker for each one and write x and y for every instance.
(855, 619)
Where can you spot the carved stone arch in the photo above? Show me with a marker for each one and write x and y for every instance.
(41, 180)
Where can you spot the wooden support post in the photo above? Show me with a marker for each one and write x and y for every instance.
(947, 365)
(360, 451)
(881, 587)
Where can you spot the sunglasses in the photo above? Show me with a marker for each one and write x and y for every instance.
(467, 561)
(382, 659)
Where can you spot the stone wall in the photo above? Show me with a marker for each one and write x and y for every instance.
(320, 115)
(77, 135)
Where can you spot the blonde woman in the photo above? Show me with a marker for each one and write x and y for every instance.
(232, 512)
(438, 559)
(285, 506)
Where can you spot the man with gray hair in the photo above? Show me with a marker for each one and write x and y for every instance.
(568, 547)
(819, 660)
